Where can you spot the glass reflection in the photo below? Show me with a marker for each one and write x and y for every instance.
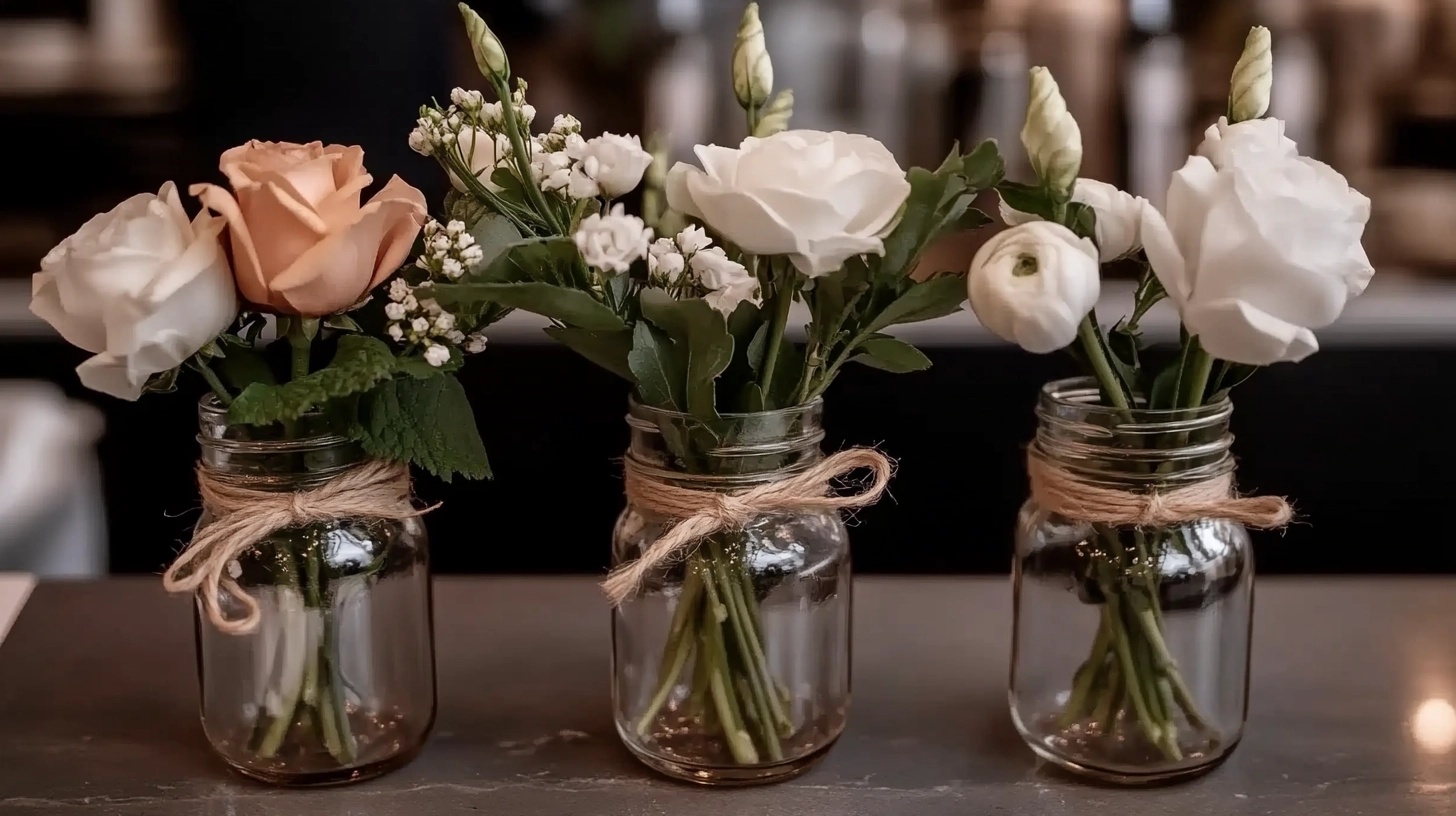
(1434, 726)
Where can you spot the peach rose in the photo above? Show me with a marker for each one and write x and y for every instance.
(301, 242)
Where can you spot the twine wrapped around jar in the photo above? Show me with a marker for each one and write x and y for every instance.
(1060, 491)
(244, 516)
(701, 513)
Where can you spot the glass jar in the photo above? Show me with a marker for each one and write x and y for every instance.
(1130, 656)
(731, 664)
(337, 681)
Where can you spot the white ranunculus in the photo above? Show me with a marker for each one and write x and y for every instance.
(612, 242)
(1033, 284)
(1119, 217)
(141, 287)
(819, 198)
(727, 281)
(482, 153)
(615, 163)
(1259, 246)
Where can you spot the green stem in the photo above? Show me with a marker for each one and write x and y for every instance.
(1112, 617)
(1086, 674)
(740, 744)
(302, 346)
(771, 716)
(213, 381)
(680, 645)
(783, 301)
(1102, 368)
(523, 157)
(1198, 367)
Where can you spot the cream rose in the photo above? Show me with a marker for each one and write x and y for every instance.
(1259, 246)
(1119, 217)
(1032, 285)
(301, 241)
(819, 198)
(612, 242)
(141, 287)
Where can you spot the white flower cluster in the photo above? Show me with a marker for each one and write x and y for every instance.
(611, 242)
(467, 117)
(450, 252)
(609, 165)
(722, 282)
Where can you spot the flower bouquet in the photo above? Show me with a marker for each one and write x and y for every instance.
(331, 371)
(731, 592)
(1133, 516)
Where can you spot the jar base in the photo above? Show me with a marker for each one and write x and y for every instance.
(729, 776)
(330, 778)
(1123, 777)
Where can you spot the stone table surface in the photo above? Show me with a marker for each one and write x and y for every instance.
(98, 712)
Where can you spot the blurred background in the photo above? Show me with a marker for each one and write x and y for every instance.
(101, 99)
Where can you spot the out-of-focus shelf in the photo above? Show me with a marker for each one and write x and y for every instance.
(1397, 309)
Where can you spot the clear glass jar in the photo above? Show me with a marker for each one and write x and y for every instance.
(337, 682)
(731, 665)
(1130, 656)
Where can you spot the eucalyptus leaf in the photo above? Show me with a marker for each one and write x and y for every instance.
(608, 349)
(570, 306)
(703, 332)
(656, 367)
(889, 354)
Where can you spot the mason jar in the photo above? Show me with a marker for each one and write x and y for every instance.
(1130, 656)
(336, 683)
(730, 665)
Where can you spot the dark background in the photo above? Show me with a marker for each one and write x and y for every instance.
(1358, 435)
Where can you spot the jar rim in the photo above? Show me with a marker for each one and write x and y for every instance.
(212, 413)
(636, 407)
(1083, 394)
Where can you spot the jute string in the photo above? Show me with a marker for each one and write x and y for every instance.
(1058, 490)
(244, 516)
(702, 513)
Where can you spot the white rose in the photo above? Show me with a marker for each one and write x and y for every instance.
(141, 287)
(819, 198)
(1260, 246)
(482, 153)
(612, 242)
(1033, 284)
(615, 163)
(1119, 217)
(727, 281)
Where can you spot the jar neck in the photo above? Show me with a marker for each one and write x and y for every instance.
(1134, 448)
(733, 451)
(284, 457)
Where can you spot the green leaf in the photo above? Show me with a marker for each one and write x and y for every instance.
(570, 306)
(310, 327)
(757, 348)
(1026, 198)
(1125, 343)
(983, 167)
(888, 354)
(415, 365)
(917, 223)
(1229, 377)
(702, 331)
(608, 349)
(1149, 291)
(359, 364)
(163, 382)
(243, 366)
(495, 235)
(926, 300)
(427, 423)
(1164, 393)
(1082, 220)
(529, 259)
(343, 323)
(459, 207)
(750, 400)
(658, 372)
(787, 374)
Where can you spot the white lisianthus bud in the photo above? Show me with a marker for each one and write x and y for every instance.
(1051, 137)
(775, 118)
(1032, 285)
(1253, 77)
(490, 55)
(752, 68)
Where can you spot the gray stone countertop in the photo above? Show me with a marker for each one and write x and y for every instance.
(98, 712)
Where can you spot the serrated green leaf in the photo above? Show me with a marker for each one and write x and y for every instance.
(427, 423)
(889, 354)
(702, 331)
(570, 306)
(608, 349)
(656, 367)
(359, 364)
(926, 300)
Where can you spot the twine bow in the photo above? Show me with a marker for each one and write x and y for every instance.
(701, 513)
(1062, 492)
(244, 516)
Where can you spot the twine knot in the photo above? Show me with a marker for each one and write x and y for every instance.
(1060, 491)
(244, 516)
(701, 513)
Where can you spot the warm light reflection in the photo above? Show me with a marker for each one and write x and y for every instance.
(1434, 725)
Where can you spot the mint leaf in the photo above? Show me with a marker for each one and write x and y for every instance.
(425, 422)
(701, 334)
(358, 365)
(888, 354)
(570, 306)
(608, 349)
